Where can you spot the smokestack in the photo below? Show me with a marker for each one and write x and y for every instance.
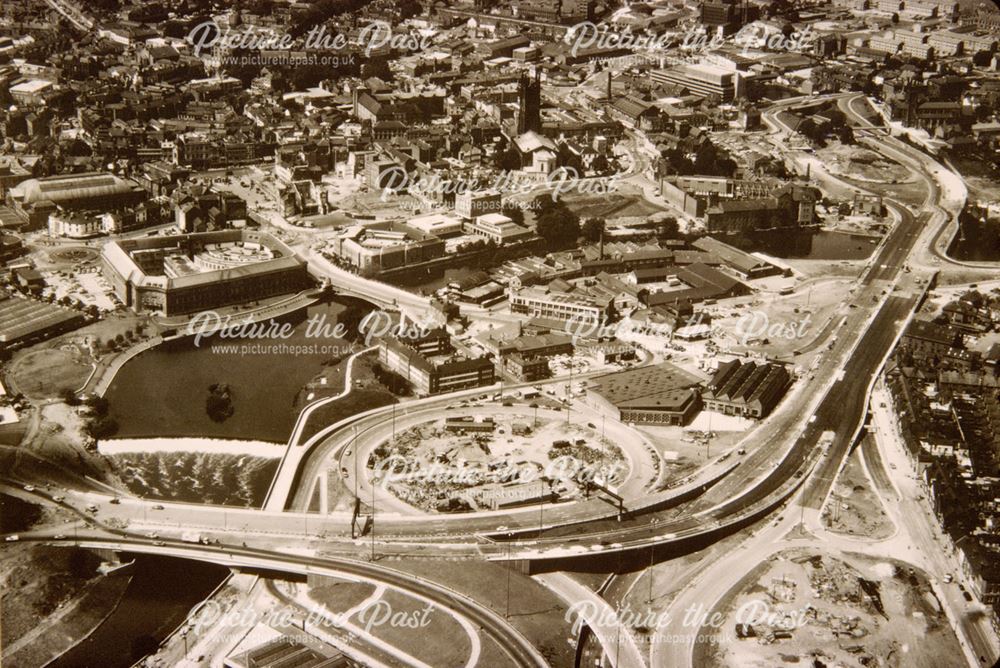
(609, 86)
(602, 242)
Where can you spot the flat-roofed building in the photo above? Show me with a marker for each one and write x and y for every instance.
(26, 321)
(703, 79)
(662, 394)
(746, 265)
(498, 228)
(428, 375)
(193, 272)
(539, 302)
(380, 246)
(439, 224)
(472, 204)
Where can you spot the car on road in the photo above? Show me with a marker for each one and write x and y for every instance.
(58, 499)
(59, 536)
(158, 507)
(115, 501)
(11, 539)
(29, 488)
(158, 543)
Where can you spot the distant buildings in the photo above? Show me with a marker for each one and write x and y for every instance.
(726, 16)
(34, 200)
(193, 272)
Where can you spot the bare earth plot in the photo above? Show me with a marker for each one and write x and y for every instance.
(847, 611)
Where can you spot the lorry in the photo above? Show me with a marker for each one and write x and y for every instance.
(194, 537)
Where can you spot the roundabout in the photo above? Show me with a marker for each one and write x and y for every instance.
(67, 255)
(482, 461)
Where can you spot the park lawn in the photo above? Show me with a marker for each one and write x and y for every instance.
(440, 642)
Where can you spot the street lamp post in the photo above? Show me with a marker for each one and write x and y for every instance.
(652, 551)
(374, 483)
(507, 613)
(354, 452)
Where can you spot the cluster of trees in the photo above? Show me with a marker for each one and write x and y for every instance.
(555, 222)
(709, 160)
(982, 58)
(392, 381)
(817, 133)
(351, 318)
(593, 229)
(219, 403)
(121, 340)
(99, 423)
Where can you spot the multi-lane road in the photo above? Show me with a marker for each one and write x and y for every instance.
(784, 451)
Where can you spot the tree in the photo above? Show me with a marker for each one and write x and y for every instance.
(668, 228)
(600, 164)
(219, 403)
(593, 229)
(509, 160)
(98, 404)
(845, 135)
(982, 58)
(69, 397)
(102, 426)
(514, 212)
(895, 18)
(559, 226)
(350, 318)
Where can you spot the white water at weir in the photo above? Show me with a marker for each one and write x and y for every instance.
(216, 446)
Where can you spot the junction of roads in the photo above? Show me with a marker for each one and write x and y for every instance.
(791, 461)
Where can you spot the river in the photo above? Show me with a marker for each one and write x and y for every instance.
(162, 592)
(163, 392)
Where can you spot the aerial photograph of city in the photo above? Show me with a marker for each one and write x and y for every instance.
(499, 333)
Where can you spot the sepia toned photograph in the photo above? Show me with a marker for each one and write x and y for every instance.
(499, 334)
